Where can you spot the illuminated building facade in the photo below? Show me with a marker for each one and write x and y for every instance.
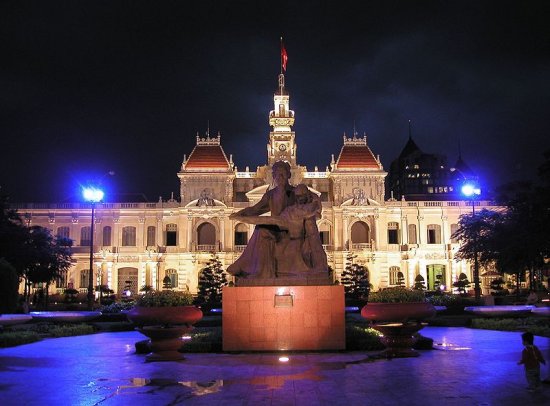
(140, 244)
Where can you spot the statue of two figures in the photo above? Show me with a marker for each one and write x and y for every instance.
(286, 243)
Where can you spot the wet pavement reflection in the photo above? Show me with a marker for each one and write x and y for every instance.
(466, 367)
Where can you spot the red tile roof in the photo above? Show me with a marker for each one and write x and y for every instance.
(356, 157)
(207, 157)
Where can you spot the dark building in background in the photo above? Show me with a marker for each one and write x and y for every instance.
(416, 175)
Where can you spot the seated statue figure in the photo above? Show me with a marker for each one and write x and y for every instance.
(286, 243)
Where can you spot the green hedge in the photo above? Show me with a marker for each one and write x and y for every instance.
(537, 326)
(14, 338)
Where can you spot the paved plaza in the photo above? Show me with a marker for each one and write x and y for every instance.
(469, 367)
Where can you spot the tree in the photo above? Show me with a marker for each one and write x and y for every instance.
(355, 279)
(497, 286)
(400, 279)
(462, 283)
(47, 257)
(515, 240)
(212, 279)
(9, 282)
(419, 282)
(36, 255)
(477, 233)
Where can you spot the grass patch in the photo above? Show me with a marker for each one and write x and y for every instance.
(14, 338)
(537, 326)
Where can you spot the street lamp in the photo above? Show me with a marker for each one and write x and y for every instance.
(92, 195)
(471, 190)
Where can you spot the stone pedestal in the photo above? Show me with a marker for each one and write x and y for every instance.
(279, 318)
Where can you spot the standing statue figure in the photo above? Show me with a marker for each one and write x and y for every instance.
(286, 243)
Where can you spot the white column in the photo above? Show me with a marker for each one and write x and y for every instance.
(142, 273)
(153, 266)
(110, 275)
(222, 234)
(345, 234)
(189, 233)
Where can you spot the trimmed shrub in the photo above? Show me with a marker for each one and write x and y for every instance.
(397, 295)
(362, 338)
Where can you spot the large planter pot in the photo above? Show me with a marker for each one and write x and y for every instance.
(398, 322)
(398, 312)
(165, 327)
(164, 316)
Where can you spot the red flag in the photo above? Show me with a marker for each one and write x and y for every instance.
(284, 56)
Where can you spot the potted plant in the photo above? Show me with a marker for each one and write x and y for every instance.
(164, 316)
(398, 313)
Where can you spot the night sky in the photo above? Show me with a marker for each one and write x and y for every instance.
(88, 87)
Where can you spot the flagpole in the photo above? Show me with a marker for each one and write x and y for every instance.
(281, 60)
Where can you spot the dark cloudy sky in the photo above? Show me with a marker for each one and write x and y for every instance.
(88, 87)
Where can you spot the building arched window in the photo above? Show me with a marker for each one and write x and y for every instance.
(84, 278)
(151, 236)
(360, 235)
(63, 232)
(396, 276)
(173, 275)
(454, 229)
(107, 236)
(434, 234)
(171, 235)
(206, 235)
(393, 233)
(85, 236)
(412, 234)
(241, 234)
(129, 236)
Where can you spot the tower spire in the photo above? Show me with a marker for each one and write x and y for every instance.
(281, 139)
(410, 130)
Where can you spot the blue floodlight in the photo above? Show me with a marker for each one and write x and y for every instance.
(471, 189)
(92, 194)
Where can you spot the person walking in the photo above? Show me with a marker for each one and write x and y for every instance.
(531, 358)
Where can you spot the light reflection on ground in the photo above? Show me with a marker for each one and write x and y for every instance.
(445, 345)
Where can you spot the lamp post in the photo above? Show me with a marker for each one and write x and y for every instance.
(471, 190)
(92, 195)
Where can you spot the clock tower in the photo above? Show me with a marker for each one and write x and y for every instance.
(282, 144)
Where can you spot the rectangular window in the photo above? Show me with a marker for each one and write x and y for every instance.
(61, 281)
(393, 233)
(171, 235)
(84, 278)
(325, 237)
(85, 236)
(106, 236)
(63, 232)
(129, 236)
(454, 228)
(434, 234)
(151, 232)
